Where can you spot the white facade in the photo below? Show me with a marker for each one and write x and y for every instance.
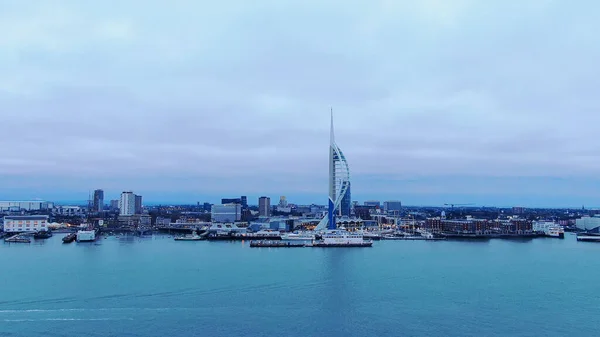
(25, 205)
(25, 223)
(226, 213)
(588, 223)
(339, 181)
(127, 203)
(69, 210)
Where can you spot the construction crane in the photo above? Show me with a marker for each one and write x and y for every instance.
(452, 205)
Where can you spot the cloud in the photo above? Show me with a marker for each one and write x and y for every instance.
(235, 95)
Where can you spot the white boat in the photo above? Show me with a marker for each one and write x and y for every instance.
(86, 235)
(298, 236)
(190, 237)
(342, 238)
(549, 229)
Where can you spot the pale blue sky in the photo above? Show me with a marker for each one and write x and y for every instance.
(490, 102)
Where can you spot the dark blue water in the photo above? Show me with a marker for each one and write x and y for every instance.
(160, 287)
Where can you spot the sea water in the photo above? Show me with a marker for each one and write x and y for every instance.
(156, 286)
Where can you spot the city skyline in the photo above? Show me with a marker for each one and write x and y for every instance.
(436, 102)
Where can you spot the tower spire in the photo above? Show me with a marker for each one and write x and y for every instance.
(331, 135)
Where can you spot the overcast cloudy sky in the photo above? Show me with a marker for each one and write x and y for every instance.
(486, 102)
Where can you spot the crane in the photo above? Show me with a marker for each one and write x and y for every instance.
(452, 205)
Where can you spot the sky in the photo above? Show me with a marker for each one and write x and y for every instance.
(435, 101)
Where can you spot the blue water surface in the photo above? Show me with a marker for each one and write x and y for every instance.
(156, 286)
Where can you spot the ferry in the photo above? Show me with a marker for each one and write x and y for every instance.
(276, 243)
(549, 229)
(342, 238)
(298, 236)
(190, 237)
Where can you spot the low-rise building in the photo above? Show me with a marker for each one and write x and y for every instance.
(69, 210)
(25, 223)
(34, 205)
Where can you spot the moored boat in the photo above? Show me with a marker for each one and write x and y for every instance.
(17, 239)
(298, 236)
(42, 235)
(277, 243)
(342, 238)
(190, 237)
(69, 238)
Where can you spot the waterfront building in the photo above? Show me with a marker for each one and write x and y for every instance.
(588, 224)
(339, 181)
(226, 213)
(392, 206)
(127, 203)
(25, 223)
(17, 206)
(98, 204)
(138, 204)
(264, 206)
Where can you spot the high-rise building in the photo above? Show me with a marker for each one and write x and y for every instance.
(114, 205)
(98, 204)
(339, 181)
(127, 203)
(346, 205)
(283, 201)
(138, 204)
(244, 201)
(374, 203)
(226, 213)
(392, 206)
(225, 201)
(264, 206)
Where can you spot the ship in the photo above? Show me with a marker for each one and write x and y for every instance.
(277, 243)
(17, 239)
(190, 237)
(69, 238)
(549, 229)
(298, 236)
(342, 238)
(42, 235)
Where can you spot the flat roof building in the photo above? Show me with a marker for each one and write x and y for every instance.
(25, 223)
